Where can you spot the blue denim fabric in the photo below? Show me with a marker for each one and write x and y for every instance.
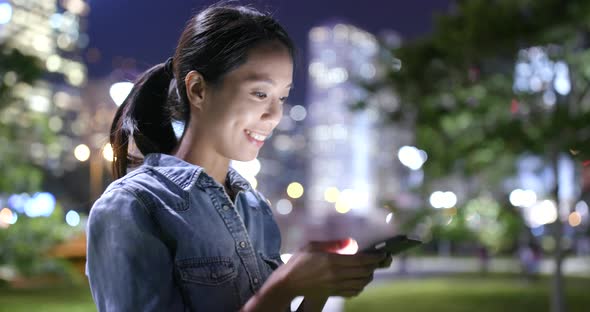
(166, 237)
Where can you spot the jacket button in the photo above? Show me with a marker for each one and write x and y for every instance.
(225, 207)
(255, 280)
(243, 244)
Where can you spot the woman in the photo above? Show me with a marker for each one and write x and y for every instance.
(184, 231)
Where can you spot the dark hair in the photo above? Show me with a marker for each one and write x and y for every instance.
(214, 42)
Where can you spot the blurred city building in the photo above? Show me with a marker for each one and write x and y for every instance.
(344, 160)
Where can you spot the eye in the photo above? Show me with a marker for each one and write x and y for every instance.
(260, 95)
(284, 99)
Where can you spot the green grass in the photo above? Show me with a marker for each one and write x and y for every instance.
(59, 299)
(440, 294)
(469, 293)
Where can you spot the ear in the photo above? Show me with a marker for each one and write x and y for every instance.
(195, 88)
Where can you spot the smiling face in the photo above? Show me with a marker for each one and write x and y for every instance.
(236, 117)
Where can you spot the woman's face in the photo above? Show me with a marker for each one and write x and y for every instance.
(239, 115)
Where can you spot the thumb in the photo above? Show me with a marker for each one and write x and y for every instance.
(329, 246)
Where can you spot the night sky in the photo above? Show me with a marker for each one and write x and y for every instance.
(147, 30)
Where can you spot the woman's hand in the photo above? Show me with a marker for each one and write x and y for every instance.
(386, 262)
(317, 271)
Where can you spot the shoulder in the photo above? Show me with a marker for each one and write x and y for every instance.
(120, 221)
(148, 185)
(257, 199)
(137, 181)
(260, 197)
(116, 204)
(143, 188)
(127, 195)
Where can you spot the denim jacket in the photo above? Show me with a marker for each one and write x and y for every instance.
(166, 237)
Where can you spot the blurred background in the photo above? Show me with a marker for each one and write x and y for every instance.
(462, 123)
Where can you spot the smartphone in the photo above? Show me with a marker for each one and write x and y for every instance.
(393, 245)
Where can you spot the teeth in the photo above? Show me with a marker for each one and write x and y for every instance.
(256, 136)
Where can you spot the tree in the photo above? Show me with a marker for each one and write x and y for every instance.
(458, 88)
(20, 127)
(24, 245)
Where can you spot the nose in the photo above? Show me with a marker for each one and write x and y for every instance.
(273, 112)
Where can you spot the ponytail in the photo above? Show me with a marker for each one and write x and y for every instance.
(145, 118)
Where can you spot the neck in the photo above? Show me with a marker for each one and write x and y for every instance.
(197, 151)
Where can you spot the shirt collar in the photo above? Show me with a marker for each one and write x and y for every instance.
(185, 174)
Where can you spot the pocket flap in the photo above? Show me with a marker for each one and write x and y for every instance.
(207, 271)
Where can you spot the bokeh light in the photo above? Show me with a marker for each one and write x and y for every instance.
(253, 182)
(107, 152)
(342, 206)
(18, 201)
(441, 199)
(40, 205)
(522, 198)
(582, 208)
(5, 13)
(574, 219)
(8, 216)
(119, 91)
(82, 152)
(77, 7)
(284, 206)
(298, 113)
(536, 72)
(331, 194)
(412, 157)
(247, 168)
(544, 212)
(72, 218)
(295, 190)
(53, 63)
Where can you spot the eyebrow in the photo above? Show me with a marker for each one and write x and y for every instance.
(265, 79)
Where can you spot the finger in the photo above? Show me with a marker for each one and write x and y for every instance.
(348, 293)
(386, 263)
(351, 273)
(351, 288)
(328, 246)
(353, 284)
(357, 259)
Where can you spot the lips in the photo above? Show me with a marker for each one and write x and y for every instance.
(255, 137)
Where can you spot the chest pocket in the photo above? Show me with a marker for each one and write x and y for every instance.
(211, 271)
(209, 283)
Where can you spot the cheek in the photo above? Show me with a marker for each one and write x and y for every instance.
(233, 114)
(245, 114)
(233, 122)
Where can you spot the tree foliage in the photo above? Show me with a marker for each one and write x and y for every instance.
(20, 128)
(457, 86)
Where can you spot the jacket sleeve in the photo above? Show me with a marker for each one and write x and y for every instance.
(128, 266)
